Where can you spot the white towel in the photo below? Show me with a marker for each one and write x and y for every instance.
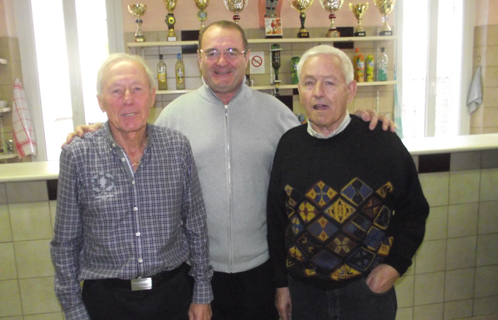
(24, 135)
(474, 98)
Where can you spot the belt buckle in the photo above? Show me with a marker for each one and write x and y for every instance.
(141, 284)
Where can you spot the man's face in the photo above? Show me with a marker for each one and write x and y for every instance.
(223, 76)
(324, 93)
(126, 96)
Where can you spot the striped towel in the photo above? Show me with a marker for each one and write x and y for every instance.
(24, 135)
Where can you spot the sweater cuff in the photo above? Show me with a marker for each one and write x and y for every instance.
(399, 263)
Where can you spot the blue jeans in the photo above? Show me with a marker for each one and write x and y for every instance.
(355, 301)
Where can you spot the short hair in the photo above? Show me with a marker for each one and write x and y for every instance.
(224, 24)
(118, 57)
(346, 64)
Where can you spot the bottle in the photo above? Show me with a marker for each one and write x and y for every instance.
(162, 83)
(382, 65)
(370, 67)
(180, 73)
(359, 66)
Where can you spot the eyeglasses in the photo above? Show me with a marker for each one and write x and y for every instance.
(230, 54)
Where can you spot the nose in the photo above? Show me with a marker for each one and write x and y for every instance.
(222, 59)
(127, 97)
(318, 89)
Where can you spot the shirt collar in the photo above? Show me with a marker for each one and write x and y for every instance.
(344, 124)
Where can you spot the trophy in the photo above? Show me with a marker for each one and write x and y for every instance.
(301, 6)
(202, 14)
(138, 10)
(170, 19)
(275, 63)
(359, 11)
(385, 7)
(236, 6)
(332, 6)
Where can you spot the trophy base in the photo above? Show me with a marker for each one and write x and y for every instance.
(333, 33)
(171, 38)
(303, 34)
(140, 39)
(386, 33)
(360, 34)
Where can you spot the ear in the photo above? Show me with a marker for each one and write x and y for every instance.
(247, 56)
(100, 99)
(352, 86)
(199, 57)
(153, 97)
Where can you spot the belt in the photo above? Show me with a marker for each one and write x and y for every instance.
(144, 283)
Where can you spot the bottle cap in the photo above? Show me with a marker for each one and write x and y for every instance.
(160, 56)
(179, 56)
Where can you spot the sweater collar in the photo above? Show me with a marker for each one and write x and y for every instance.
(344, 124)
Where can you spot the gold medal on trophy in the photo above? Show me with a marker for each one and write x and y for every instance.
(236, 6)
(170, 19)
(385, 7)
(202, 13)
(332, 6)
(138, 10)
(359, 11)
(301, 6)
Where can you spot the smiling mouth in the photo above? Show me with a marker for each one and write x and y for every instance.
(222, 73)
(130, 114)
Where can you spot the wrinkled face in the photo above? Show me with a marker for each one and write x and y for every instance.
(126, 96)
(324, 93)
(223, 76)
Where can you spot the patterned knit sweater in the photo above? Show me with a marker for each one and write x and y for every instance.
(339, 207)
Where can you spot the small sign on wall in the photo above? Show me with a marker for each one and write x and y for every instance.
(257, 62)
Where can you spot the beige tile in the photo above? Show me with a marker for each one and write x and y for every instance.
(46, 316)
(459, 284)
(464, 186)
(486, 249)
(437, 224)
(12, 318)
(7, 262)
(428, 312)
(435, 187)
(3, 194)
(404, 291)
(429, 288)
(490, 78)
(53, 208)
(490, 116)
(5, 232)
(425, 256)
(33, 259)
(489, 181)
(485, 306)
(486, 283)
(462, 220)
(30, 221)
(460, 253)
(492, 56)
(488, 217)
(490, 98)
(457, 309)
(38, 296)
(492, 35)
(10, 300)
(404, 314)
(31, 191)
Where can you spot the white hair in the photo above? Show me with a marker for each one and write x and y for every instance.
(346, 64)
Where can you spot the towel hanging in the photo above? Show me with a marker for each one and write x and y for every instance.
(474, 98)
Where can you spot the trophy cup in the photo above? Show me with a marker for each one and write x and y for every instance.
(301, 6)
(359, 11)
(385, 7)
(275, 63)
(236, 6)
(138, 10)
(332, 6)
(202, 14)
(170, 19)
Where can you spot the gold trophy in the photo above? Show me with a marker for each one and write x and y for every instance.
(359, 11)
(301, 6)
(138, 10)
(202, 14)
(170, 19)
(385, 7)
(332, 6)
(236, 6)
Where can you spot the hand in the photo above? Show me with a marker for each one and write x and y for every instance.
(382, 278)
(373, 117)
(80, 131)
(283, 303)
(199, 312)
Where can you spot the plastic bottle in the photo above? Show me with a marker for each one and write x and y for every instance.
(370, 67)
(180, 72)
(359, 66)
(162, 83)
(382, 66)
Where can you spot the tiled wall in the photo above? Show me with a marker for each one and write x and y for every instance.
(454, 275)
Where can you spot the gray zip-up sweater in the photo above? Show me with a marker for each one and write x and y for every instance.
(233, 147)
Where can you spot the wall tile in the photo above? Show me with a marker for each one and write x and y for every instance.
(3, 194)
(404, 314)
(458, 309)
(10, 301)
(30, 221)
(32, 191)
(490, 78)
(489, 181)
(38, 296)
(464, 186)
(486, 283)
(429, 288)
(460, 253)
(492, 35)
(435, 187)
(490, 98)
(437, 224)
(7, 262)
(428, 312)
(492, 56)
(485, 306)
(53, 209)
(488, 217)
(425, 256)
(490, 157)
(459, 284)
(462, 220)
(5, 231)
(429, 163)
(33, 259)
(404, 287)
(465, 161)
(47, 316)
(490, 115)
(486, 249)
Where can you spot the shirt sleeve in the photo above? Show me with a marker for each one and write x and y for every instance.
(66, 244)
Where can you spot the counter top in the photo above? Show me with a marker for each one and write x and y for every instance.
(48, 170)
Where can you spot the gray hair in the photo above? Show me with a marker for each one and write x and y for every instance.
(118, 57)
(346, 64)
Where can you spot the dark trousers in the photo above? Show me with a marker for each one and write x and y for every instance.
(168, 301)
(355, 301)
(248, 295)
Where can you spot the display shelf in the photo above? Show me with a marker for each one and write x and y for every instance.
(7, 156)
